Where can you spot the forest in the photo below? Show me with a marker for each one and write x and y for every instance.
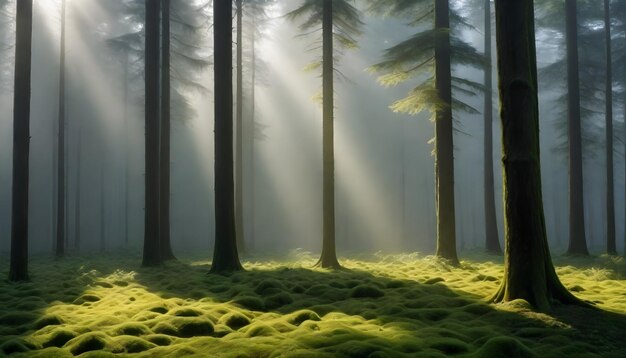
(313, 178)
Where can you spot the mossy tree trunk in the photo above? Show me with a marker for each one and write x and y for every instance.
(528, 270)
(577, 241)
(60, 212)
(328, 259)
(444, 142)
(21, 141)
(239, 133)
(225, 255)
(492, 241)
(164, 155)
(151, 248)
(611, 248)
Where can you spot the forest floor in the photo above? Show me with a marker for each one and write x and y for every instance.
(380, 306)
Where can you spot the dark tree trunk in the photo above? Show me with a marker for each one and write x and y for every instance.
(241, 243)
(225, 255)
(611, 248)
(444, 142)
(60, 213)
(577, 241)
(151, 248)
(328, 259)
(528, 270)
(492, 241)
(164, 160)
(21, 142)
(252, 135)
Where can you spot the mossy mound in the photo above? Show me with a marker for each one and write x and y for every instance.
(132, 344)
(17, 318)
(250, 302)
(277, 300)
(269, 286)
(132, 329)
(48, 320)
(504, 347)
(192, 327)
(92, 341)
(235, 320)
(59, 337)
(366, 291)
(87, 298)
(298, 317)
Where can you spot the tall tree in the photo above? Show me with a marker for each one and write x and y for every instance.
(60, 212)
(528, 270)
(151, 248)
(492, 241)
(340, 20)
(611, 248)
(165, 145)
(225, 255)
(21, 141)
(577, 241)
(239, 230)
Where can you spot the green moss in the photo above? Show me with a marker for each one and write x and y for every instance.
(448, 346)
(48, 320)
(87, 342)
(504, 347)
(132, 329)
(278, 300)
(260, 330)
(235, 320)
(366, 291)
(434, 280)
(17, 318)
(192, 327)
(186, 312)
(86, 298)
(14, 346)
(159, 309)
(159, 339)
(269, 286)
(133, 344)
(59, 337)
(249, 302)
(298, 317)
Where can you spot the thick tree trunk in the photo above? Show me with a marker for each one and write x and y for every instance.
(21, 142)
(528, 270)
(164, 155)
(611, 248)
(225, 255)
(492, 241)
(577, 241)
(444, 142)
(328, 259)
(60, 213)
(151, 248)
(241, 242)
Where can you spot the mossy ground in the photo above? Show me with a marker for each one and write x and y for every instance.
(381, 306)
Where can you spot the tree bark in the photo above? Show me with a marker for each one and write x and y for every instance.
(60, 213)
(165, 145)
(577, 241)
(328, 258)
(492, 241)
(611, 248)
(252, 136)
(239, 134)
(444, 141)
(151, 248)
(225, 255)
(528, 270)
(21, 141)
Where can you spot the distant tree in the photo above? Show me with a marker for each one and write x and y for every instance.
(239, 133)
(611, 248)
(21, 139)
(528, 270)
(432, 51)
(225, 255)
(61, 196)
(151, 249)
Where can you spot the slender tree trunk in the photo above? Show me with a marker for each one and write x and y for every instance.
(577, 241)
(151, 249)
(528, 270)
(492, 242)
(60, 213)
(611, 247)
(225, 255)
(164, 162)
(77, 208)
(126, 152)
(328, 259)
(444, 142)
(241, 243)
(21, 141)
(252, 134)
(102, 209)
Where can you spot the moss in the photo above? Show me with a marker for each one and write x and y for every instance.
(87, 342)
(434, 280)
(17, 318)
(59, 337)
(278, 300)
(14, 346)
(86, 298)
(298, 317)
(191, 327)
(448, 346)
(235, 320)
(132, 329)
(48, 320)
(504, 347)
(159, 339)
(51, 352)
(159, 309)
(165, 328)
(269, 286)
(186, 312)
(366, 291)
(133, 344)
(356, 349)
(481, 277)
(249, 302)
(260, 330)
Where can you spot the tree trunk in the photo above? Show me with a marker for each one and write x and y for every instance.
(528, 270)
(21, 141)
(577, 241)
(126, 151)
(164, 160)
(492, 241)
(252, 136)
(60, 213)
(151, 248)
(444, 142)
(328, 259)
(611, 248)
(78, 180)
(239, 134)
(102, 208)
(225, 255)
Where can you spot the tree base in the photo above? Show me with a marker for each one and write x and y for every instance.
(328, 263)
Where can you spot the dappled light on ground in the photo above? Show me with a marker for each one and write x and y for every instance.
(380, 306)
